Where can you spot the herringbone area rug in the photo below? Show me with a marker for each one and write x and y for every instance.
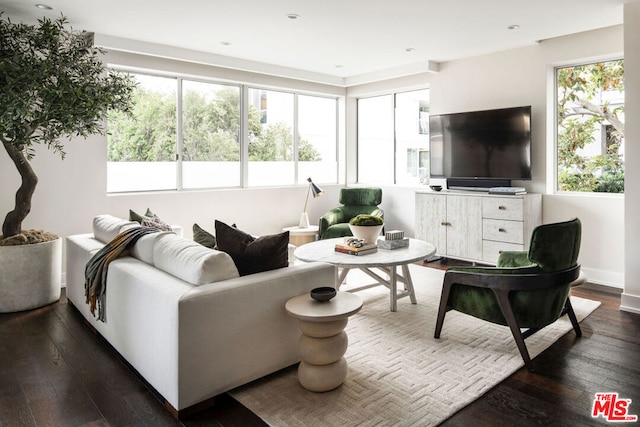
(399, 375)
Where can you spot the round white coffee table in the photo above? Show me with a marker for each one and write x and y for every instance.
(323, 341)
(386, 260)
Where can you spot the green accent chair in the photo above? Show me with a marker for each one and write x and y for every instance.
(526, 290)
(355, 201)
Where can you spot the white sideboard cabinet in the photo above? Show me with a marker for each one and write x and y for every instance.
(474, 226)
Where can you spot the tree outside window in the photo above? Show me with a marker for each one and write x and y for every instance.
(142, 147)
(590, 118)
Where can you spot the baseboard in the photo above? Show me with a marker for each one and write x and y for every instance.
(604, 277)
(630, 303)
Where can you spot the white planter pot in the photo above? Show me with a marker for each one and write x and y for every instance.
(31, 275)
(368, 233)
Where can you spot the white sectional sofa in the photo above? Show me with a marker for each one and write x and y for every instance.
(182, 317)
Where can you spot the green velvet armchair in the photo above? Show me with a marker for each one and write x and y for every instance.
(355, 201)
(526, 290)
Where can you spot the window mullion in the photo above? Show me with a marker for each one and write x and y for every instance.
(179, 135)
(296, 178)
(244, 136)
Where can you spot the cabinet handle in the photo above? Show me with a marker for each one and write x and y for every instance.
(446, 224)
(502, 230)
(502, 208)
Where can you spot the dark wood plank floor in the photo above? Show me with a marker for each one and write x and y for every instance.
(55, 372)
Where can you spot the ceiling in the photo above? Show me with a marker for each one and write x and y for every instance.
(342, 42)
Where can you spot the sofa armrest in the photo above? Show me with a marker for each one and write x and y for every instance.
(239, 329)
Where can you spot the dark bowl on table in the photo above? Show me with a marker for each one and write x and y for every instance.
(322, 294)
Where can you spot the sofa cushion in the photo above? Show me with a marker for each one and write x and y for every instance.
(250, 254)
(149, 219)
(192, 262)
(106, 227)
(203, 237)
(143, 249)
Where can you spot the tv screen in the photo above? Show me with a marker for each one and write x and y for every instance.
(490, 144)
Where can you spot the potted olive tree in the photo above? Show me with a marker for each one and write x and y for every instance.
(53, 86)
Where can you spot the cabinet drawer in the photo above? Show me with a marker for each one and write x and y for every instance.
(502, 208)
(503, 231)
(491, 250)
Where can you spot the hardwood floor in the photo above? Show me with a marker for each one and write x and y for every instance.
(55, 372)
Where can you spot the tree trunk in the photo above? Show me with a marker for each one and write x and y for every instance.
(13, 221)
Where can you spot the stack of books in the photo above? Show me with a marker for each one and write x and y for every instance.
(353, 247)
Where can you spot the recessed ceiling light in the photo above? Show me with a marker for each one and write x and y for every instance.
(410, 49)
(293, 16)
(226, 43)
(339, 66)
(43, 6)
(513, 27)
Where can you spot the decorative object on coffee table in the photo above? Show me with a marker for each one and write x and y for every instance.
(393, 239)
(317, 192)
(366, 227)
(323, 342)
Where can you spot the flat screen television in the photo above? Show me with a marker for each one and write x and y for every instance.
(481, 149)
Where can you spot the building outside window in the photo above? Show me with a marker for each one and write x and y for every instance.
(393, 138)
(202, 121)
(590, 127)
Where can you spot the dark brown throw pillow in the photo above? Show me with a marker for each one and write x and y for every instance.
(250, 254)
(203, 237)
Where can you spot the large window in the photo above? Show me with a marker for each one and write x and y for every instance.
(186, 134)
(590, 127)
(210, 135)
(393, 138)
(141, 149)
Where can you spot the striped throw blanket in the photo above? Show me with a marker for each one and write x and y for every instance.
(95, 273)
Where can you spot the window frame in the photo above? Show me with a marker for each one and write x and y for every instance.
(552, 120)
(244, 88)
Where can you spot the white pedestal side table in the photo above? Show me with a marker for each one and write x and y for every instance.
(299, 236)
(323, 342)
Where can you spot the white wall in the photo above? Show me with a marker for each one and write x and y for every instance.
(521, 77)
(631, 296)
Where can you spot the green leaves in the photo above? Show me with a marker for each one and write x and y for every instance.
(53, 86)
(586, 117)
(210, 130)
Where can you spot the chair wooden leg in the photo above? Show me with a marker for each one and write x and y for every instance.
(568, 308)
(444, 299)
(507, 311)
